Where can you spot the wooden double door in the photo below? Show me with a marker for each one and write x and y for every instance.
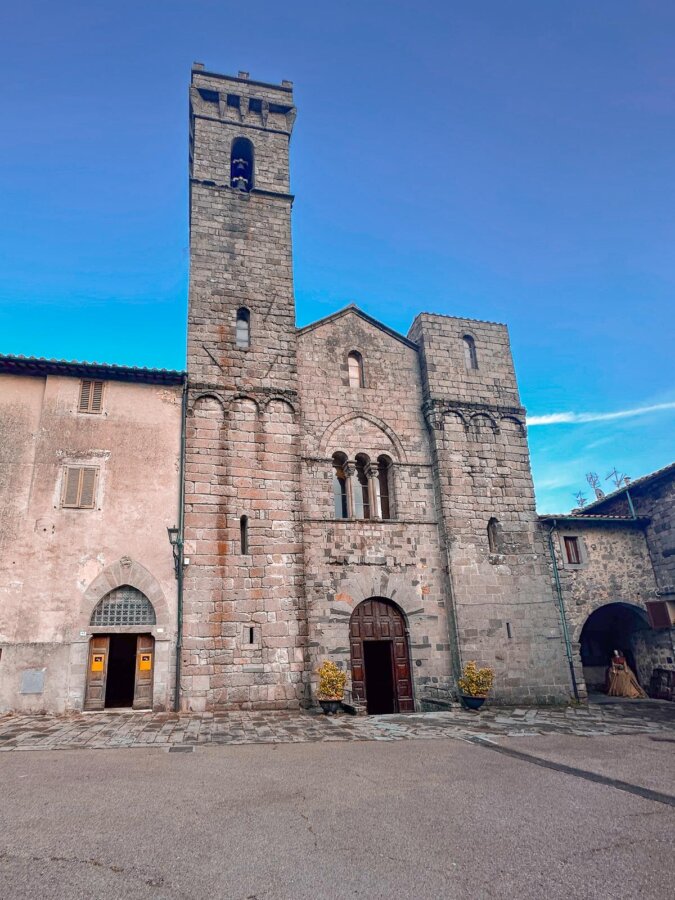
(381, 675)
(120, 671)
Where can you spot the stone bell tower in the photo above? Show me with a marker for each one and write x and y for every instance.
(244, 621)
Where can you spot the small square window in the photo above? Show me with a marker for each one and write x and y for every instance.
(572, 551)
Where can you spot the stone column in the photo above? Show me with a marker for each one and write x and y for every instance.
(349, 468)
(373, 476)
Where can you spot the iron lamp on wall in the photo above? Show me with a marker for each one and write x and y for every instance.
(176, 547)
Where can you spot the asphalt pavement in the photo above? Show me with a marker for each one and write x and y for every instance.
(442, 817)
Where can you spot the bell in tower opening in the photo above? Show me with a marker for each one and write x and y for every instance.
(241, 164)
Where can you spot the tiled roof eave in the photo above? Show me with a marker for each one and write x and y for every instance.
(596, 520)
(33, 365)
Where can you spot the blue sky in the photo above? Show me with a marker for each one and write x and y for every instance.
(504, 161)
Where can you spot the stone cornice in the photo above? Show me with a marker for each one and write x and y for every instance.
(197, 115)
(244, 195)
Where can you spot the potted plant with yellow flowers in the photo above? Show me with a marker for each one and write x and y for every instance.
(475, 685)
(331, 687)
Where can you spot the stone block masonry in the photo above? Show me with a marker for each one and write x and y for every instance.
(349, 492)
(270, 405)
(504, 606)
(245, 625)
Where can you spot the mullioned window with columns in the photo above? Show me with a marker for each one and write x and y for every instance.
(362, 488)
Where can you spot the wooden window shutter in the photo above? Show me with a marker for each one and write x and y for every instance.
(85, 395)
(79, 487)
(96, 395)
(572, 551)
(91, 394)
(71, 487)
(87, 487)
(661, 613)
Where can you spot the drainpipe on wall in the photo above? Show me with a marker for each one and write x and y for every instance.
(563, 617)
(181, 529)
(630, 504)
(450, 607)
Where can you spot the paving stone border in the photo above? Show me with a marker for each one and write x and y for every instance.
(109, 730)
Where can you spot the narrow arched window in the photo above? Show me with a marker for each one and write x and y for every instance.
(243, 535)
(384, 480)
(470, 356)
(241, 164)
(362, 491)
(494, 534)
(242, 334)
(340, 486)
(355, 366)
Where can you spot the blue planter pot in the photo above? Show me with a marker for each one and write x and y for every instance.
(330, 707)
(472, 702)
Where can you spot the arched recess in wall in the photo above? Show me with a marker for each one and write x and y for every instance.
(126, 572)
(511, 440)
(243, 403)
(243, 431)
(279, 403)
(327, 438)
(482, 427)
(628, 605)
(280, 431)
(279, 420)
(206, 400)
(204, 432)
(454, 421)
(614, 626)
(511, 425)
(495, 536)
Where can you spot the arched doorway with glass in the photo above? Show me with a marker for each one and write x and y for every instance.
(120, 663)
(380, 657)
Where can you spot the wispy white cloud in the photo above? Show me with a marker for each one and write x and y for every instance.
(573, 418)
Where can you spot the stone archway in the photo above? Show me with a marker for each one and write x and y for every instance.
(614, 626)
(124, 643)
(126, 571)
(380, 657)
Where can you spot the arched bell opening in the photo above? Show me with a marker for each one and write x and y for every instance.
(242, 165)
(380, 657)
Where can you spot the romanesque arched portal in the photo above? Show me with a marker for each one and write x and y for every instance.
(380, 657)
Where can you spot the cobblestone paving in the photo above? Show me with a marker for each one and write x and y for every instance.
(137, 729)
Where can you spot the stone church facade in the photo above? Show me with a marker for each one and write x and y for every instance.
(296, 435)
(338, 491)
